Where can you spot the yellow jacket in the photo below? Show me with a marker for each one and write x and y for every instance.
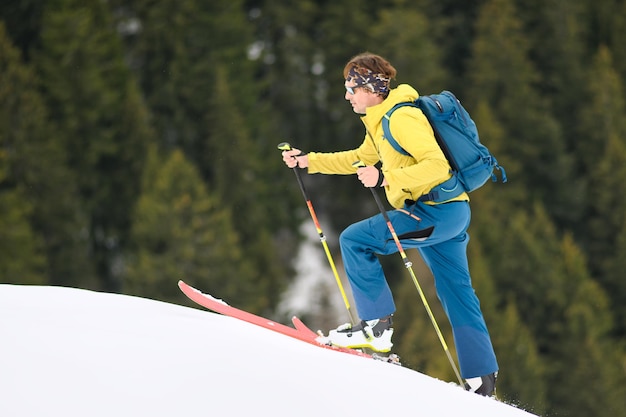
(408, 177)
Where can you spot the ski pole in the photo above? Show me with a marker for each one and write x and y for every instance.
(284, 146)
(408, 265)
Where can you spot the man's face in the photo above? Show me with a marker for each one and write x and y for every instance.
(361, 97)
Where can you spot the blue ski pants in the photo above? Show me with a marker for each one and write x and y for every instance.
(444, 250)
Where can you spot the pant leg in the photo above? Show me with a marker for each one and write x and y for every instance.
(445, 252)
(448, 263)
(360, 242)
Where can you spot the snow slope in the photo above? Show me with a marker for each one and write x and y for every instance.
(69, 352)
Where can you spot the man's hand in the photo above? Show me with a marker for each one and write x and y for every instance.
(371, 176)
(294, 157)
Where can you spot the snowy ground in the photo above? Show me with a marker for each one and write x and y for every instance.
(68, 352)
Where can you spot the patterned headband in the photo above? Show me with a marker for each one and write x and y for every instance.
(378, 83)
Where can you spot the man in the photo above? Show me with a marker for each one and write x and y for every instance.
(437, 229)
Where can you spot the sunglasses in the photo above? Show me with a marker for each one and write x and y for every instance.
(351, 89)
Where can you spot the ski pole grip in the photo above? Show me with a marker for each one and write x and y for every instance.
(358, 164)
(284, 146)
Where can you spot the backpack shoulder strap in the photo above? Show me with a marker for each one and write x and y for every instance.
(387, 131)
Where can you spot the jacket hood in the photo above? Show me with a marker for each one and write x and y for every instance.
(400, 94)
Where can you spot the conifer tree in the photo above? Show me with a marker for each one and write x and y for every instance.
(302, 55)
(502, 76)
(556, 46)
(200, 87)
(176, 49)
(548, 281)
(618, 39)
(22, 21)
(236, 164)
(605, 24)
(37, 178)
(514, 343)
(555, 31)
(603, 161)
(180, 231)
(522, 376)
(583, 348)
(423, 67)
(451, 27)
(21, 256)
(613, 282)
(101, 120)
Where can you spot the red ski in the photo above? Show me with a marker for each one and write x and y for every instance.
(300, 332)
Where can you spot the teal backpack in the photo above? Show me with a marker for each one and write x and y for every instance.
(472, 163)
